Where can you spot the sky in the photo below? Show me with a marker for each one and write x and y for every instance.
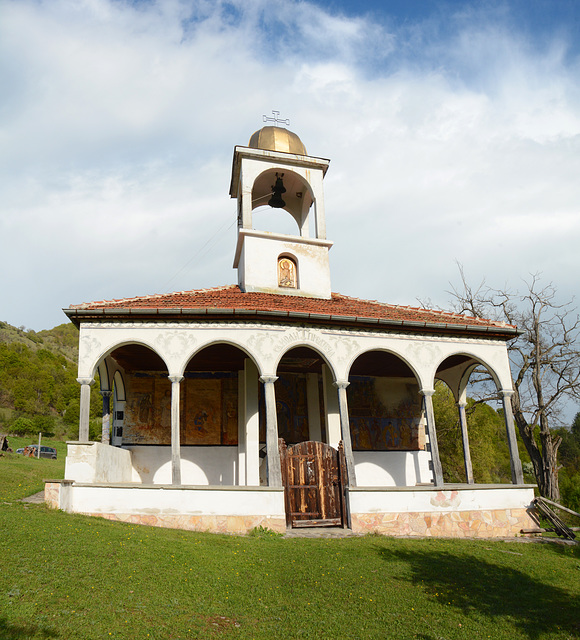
(453, 131)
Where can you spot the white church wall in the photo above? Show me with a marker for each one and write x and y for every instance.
(258, 253)
(426, 500)
(392, 468)
(199, 465)
(97, 462)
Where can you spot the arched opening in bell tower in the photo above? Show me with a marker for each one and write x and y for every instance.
(297, 199)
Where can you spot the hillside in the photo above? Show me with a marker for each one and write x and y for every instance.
(62, 340)
(38, 387)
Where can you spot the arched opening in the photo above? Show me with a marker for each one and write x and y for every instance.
(143, 404)
(209, 396)
(387, 422)
(471, 427)
(297, 199)
(219, 426)
(313, 471)
(300, 397)
(265, 218)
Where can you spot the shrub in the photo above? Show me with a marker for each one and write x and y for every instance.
(22, 427)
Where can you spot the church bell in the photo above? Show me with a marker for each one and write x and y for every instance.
(277, 190)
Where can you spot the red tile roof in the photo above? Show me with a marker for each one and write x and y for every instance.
(232, 300)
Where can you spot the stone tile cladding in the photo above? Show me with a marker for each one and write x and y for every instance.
(496, 523)
(210, 524)
(51, 494)
(339, 306)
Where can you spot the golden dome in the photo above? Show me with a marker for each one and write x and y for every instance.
(277, 139)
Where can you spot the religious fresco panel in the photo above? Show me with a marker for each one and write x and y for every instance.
(148, 410)
(203, 411)
(230, 411)
(385, 413)
(291, 408)
(208, 411)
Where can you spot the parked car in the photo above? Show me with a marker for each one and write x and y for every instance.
(32, 451)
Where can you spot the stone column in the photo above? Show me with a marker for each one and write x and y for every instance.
(250, 431)
(465, 440)
(106, 431)
(175, 439)
(516, 463)
(341, 385)
(85, 408)
(274, 468)
(433, 446)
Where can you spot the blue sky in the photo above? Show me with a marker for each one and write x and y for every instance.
(453, 130)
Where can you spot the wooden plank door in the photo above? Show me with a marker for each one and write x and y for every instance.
(314, 484)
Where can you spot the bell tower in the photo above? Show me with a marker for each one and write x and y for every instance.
(275, 170)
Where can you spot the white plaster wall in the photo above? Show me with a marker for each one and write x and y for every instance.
(199, 465)
(97, 462)
(392, 468)
(258, 263)
(176, 501)
(433, 500)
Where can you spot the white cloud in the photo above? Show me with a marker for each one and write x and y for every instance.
(119, 121)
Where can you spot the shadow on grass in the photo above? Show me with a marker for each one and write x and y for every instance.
(23, 631)
(474, 585)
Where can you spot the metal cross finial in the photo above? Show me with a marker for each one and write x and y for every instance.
(276, 120)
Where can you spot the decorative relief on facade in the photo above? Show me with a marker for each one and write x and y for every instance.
(422, 352)
(175, 343)
(88, 348)
(345, 348)
(303, 336)
(262, 343)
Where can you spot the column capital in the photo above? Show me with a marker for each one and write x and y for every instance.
(268, 379)
(175, 379)
(106, 393)
(506, 393)
(427, 392)
(341, 384)
(88, 381)
(461, 404)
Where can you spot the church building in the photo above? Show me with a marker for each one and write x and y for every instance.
(275, 402)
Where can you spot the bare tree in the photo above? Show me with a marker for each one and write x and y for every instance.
(545, 363)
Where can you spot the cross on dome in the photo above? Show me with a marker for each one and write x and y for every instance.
(275, 119)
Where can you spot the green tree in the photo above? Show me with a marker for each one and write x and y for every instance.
(487, 439)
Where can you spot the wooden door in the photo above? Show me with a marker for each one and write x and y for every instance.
(314, 477)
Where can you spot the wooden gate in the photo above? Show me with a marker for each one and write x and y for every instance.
(314, 478)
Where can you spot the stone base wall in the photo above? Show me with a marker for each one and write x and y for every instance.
(51, 494)
(207, 523)
(494, 523)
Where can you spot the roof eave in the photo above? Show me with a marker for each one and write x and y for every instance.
(77, 315)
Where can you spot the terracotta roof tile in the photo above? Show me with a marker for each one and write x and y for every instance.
(339, 306)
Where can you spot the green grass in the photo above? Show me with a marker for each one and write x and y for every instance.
(20, 476)
(74, 577)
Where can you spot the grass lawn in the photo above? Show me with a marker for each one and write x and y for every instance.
(21, 477)
(71, 576)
